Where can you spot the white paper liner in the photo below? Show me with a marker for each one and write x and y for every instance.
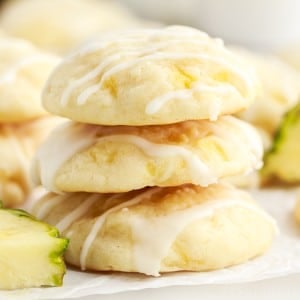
(282, 259)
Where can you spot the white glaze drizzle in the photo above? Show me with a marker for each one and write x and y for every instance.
(219, 90)
(45, 207)
(83, 97)
(72, 138)
(77, 213)
(100, 221)
(69, 140)
(150, 248)
(125, 51)
(141, 36)
(199, 171)
(10, 75)
(174, 34)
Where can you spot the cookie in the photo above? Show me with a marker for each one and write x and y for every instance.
(23, 72)
(17, 147)
(157, 230)
(150, 77)
(280, 91)
(291, 55)
(61, 25)
(109, 159)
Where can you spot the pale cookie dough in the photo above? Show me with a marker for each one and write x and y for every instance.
(150, 76)
(61, 25)
(23, 72)
(280, 91)
(89, 158)
(17, 147)
(159, 230)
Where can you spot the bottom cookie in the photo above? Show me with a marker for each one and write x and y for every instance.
(156, 230)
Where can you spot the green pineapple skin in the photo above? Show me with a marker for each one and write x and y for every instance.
(31, 252)
(282, 161)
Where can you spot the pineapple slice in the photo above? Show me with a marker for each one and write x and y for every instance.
(282, 162)
(30, 252)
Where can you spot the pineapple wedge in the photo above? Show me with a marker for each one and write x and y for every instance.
(30, 252)
(282, 162)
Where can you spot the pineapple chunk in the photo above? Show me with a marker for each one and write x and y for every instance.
(30, 252)
(282, 162)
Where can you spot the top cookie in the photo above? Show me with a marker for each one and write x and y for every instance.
(23, 72)
(150, 76)
(61, 25)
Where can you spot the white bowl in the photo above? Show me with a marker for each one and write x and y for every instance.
(260, 24)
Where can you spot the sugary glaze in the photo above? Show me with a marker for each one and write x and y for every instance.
(78, 137)
(149, 248)
(179, 140)
(203, 63)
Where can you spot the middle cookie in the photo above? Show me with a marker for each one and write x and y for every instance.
(103, 159)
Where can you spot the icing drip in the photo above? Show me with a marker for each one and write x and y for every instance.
(69, 139)
(220, 90)
(126, 55)
(184, 33)
(125, 51)
(151, 248)
(100, 221)
(47, 206)
(83, 97)
(199, 171)
(77, 213)
(73, 138)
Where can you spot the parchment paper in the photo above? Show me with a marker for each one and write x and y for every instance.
(282, 259)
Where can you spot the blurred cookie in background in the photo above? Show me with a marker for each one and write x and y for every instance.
(23, 71)
(279, 92)
(23, 122)
(291, 55)
(18, 143)
(61, 25)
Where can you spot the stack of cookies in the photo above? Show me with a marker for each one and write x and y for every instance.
(23, 122)
(134, 177)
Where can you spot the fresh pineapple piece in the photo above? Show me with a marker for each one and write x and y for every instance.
(30, 252)
(282, 162)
